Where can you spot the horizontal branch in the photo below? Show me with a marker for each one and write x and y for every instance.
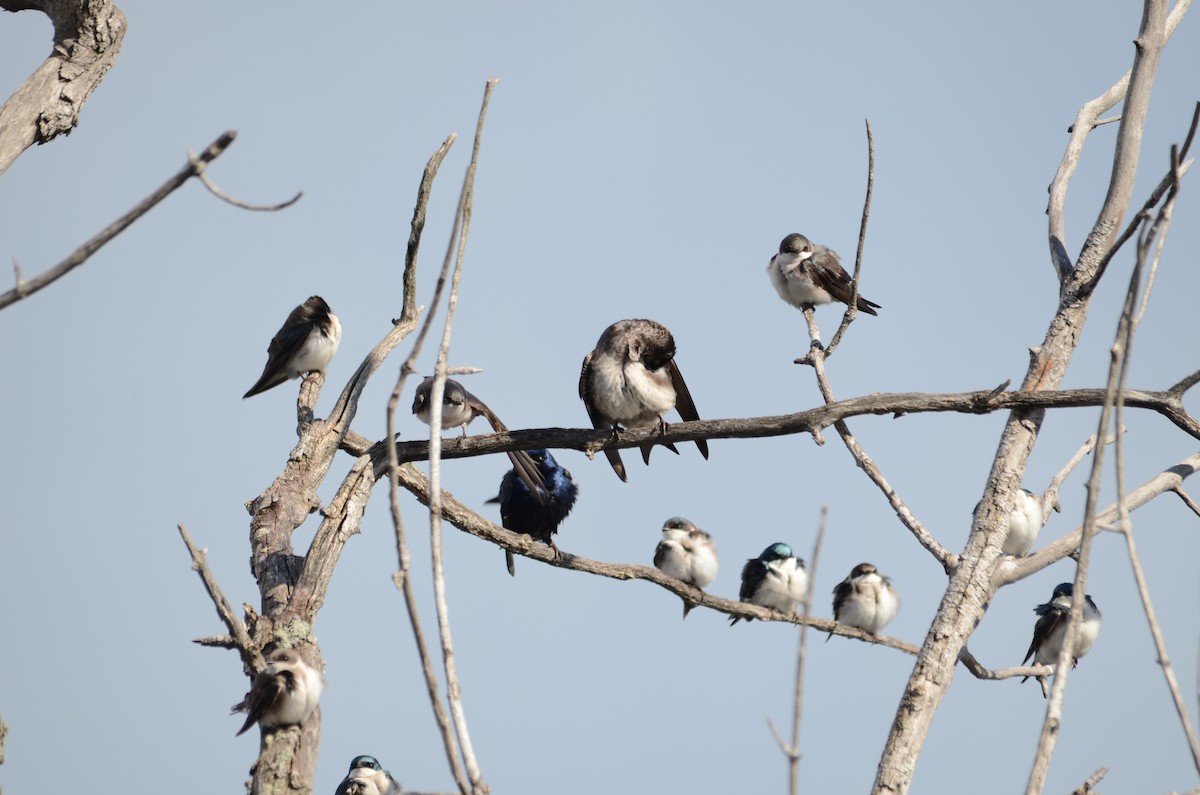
(1169, 403)
(973, 665)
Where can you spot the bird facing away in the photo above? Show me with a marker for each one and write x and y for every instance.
(521, 513)
(865, 600)
(285, 693)
(1051, 629)
(631, 379)
(306, 342)
(686, 553)
(776, 579)
(459, 408)
(1023, 525)
(367, 777)
(807, 275)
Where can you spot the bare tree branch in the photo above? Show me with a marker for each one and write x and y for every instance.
(24, 289)
(1050, 498)
(87, 38)
(225, 197)
(401, 578)
(1085, 122)
(453, 688)
(793, 752)
(1088, 787)
(588, 440)
(852, 307)
(236, 628)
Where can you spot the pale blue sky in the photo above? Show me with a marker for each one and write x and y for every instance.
(640, 160)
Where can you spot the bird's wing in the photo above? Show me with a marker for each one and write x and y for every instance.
(598, 422)
(526, 468)
(684, 403)
(828, 274)
(265, 693)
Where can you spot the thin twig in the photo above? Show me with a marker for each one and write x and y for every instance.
(453, 689)
(794, 757)
(1050, 497)
(225, 197)
(1187, 500)
(236, 628)
(81, 254)
(980, 672)
(401, 578)
(1154, 236)
(852, 306)
(816, 359)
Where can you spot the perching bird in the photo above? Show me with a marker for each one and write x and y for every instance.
(521, 513)
(1051, 629)
(306, 342)
(686, 553)
(775, 579)
(367, 777)
(807, 275)
(631, 379)
(459, 408)
(285, 693)
(1024, 523)
(865, 600)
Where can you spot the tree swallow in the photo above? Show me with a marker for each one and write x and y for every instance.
(459, 408)
(367, 777)
(776, 579)
(521, 513)
(631, 379)
(1024, 523)
(865, 600)
(285, 693)
(808, 275)
(1051, 629)
(686, 553)
(306, 342)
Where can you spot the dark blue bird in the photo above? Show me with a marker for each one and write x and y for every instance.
(522, 513)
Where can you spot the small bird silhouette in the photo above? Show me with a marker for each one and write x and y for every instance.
(367, 777)
(459, 408)
(306, 342)
(809, 275)
(631, 379)
(521, 513)
(1051, 629)
(285, 693)
(776, 579)
(686, 553)
(865, 600)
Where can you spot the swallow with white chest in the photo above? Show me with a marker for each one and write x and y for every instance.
(284, 693)
(630, 379)
(305, 343)
(686, 553)
(776, 579)
(865, 600)
(805, 274)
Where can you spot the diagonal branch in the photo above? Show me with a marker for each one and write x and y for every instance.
(24, 289)
(236, 628)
